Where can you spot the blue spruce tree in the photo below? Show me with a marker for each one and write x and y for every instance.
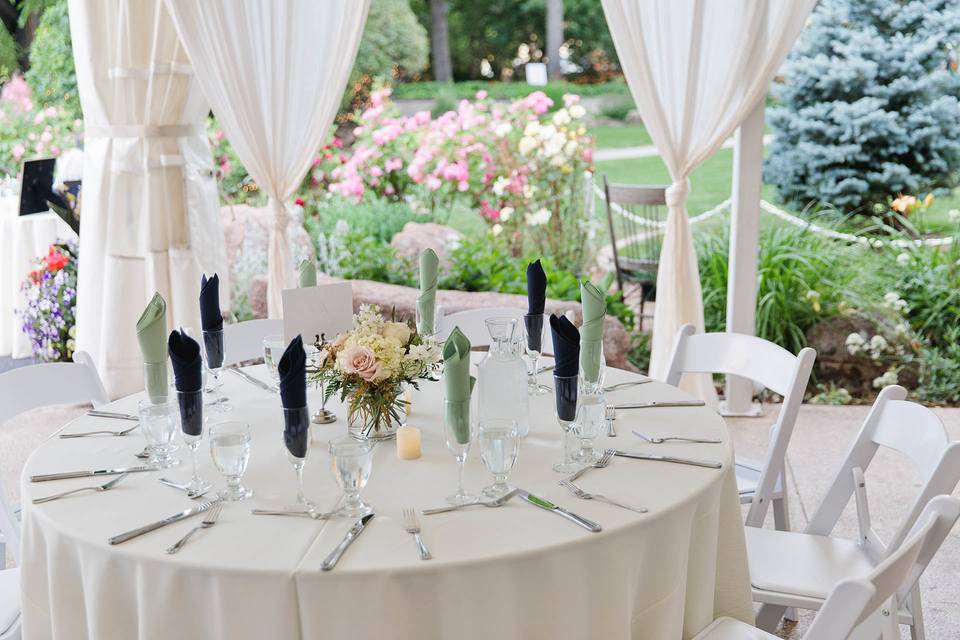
(869, 105)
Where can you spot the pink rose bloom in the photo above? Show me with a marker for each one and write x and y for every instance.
(376, 172)
(219, 134)
(37, 119)
(481, 95)
(46, 136)
(433, 183)
(18, 151)
(462, 185)
(389, 190)
(588, 154)
(422, 117)
(317, 160)
(570, 99)
(360, 361)
(55, 150)
(393, 164)
(50, 112)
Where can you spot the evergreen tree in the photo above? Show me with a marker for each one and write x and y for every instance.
(869, 105)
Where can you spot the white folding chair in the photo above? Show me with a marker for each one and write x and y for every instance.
(21, 390)
(244, 340)
(775, 368)
(789, 569)
(864, 607)
(472, 323)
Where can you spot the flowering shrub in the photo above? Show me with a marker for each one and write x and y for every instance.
(28, 132)
(521, 169)
(50, 292)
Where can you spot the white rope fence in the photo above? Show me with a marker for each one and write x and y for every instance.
(787, 217)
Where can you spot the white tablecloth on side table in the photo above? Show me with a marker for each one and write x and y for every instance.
(516, 572)
(23, 239)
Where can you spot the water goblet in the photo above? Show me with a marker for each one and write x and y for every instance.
(591, 416)
(456, 425)
(352, 462)
(533, 326)
(273, 348)
(296, 437)
(158, 423)
(230, 450)
(191, 424)
(156, 380)
(422, 327)
(213, 348)
(499, 442)
(565, 392)
(591, 378)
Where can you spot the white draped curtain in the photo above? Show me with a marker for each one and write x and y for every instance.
(274, 74)
(695, 69)
(150, 218)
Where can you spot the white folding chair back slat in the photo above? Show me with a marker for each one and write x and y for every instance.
(472, 323)
(244, 340)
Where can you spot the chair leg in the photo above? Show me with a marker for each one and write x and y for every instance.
(916, 630)
(781, 514)
(768, 618)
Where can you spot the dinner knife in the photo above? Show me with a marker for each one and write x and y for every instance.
(589, 525)
(153, 526)
(653, 404)
(95, 413)
(710, 464)
(331, 560)
(254, 381)
(44, 477)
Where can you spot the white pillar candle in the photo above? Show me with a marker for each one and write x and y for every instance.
(408, 443)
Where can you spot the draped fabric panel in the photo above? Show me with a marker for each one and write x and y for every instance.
(274, 74)
(150, 213)
(695, 69)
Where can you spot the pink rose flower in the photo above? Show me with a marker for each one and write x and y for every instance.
(360, 361)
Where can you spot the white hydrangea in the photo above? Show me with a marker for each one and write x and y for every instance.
(887, 379)
(538, 217)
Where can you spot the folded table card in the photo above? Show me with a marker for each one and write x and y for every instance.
(325, 309)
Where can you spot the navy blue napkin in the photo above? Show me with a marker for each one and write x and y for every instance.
(293, 375)
(187, 365)
(536, 288)
(210, 317)
(566, 346)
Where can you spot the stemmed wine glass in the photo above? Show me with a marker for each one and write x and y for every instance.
(296, 436)
(191, 423)
(565, 389)
(499, 442)
(213, 348)
(230, 450)
(352, 462)
(533, 325)
(457, 431)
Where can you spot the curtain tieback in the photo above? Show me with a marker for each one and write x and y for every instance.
(142, 73)
(280, 216)
(142, 131)
(676, 193)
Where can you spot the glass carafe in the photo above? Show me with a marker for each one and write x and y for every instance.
(502, 379)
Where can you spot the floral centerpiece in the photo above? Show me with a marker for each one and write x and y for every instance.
(370, 366)
(50, 294)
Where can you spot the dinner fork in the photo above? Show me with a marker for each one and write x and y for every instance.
(100, 487)
(105, 432)
(604, 461)
(610, 416)
(583, 495)
(209, 520)
(412, 525)
(677, 438)
(623, 385)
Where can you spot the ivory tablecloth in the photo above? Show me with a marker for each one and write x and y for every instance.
(511, 573)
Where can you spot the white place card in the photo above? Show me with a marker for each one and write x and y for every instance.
(326, 309)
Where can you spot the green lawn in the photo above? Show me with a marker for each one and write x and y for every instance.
(618, 136)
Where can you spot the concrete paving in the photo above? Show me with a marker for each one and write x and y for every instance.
(646, 151)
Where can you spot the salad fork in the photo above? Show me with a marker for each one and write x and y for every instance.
(100, 487)
(105, 432)
(412, 525)
(610, 414)
(604, 461)
(676, 438)
(209, 520)
(583, 495)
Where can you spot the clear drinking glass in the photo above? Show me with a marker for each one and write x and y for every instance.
(566, 389)
(296, 437)
(533, 330)
(352, 462)
(456, 425)
(230, 450)
(591, 417)
(429, 331)
(158, 423)
(213, 348)
(156, 380)
(592, 381)
(499, 444)
(273, 347)
(191, 424)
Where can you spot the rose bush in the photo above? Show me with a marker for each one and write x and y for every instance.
(29, 131)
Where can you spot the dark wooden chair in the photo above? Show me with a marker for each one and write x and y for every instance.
(634, 213)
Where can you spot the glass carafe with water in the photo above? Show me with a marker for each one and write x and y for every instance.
(502, 379)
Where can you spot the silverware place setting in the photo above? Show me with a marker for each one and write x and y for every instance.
(46, 477)
(583, 495)
(656, 404)
(411, 523)
(208, 521)
(193, 495)
(610, 415)
(546, 505)
(297, 513)
(98, 488)
(624, 385)
(603, 462)
(653, 440)
(96, 413)
(101, 432)
(331, 560)
(497, 502)
(710, 464)
(254, 381)
(153, 526)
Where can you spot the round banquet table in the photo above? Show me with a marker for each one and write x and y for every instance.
(512, 572)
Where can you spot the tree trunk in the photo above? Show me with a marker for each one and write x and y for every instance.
(440, 41)
(554, 37)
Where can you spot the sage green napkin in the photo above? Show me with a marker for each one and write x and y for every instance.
(458, 383)
(308, 274)
(427, 302)
(591, 332)
(152, 336)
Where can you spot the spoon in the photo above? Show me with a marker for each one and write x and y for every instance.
(498, 502)
(182, 487)
(677, 438)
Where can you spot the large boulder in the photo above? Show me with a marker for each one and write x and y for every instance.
(417, 236)
(616, 340)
